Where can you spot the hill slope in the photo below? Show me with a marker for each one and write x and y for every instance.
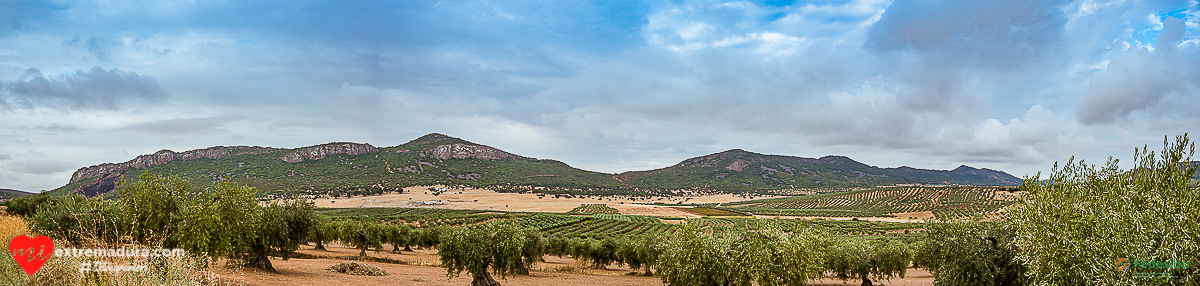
(341, 168)
(10, 193)
(739, 169)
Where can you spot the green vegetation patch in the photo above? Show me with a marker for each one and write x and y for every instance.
(593, 209)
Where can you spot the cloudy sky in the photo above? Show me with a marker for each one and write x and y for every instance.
(608, 85)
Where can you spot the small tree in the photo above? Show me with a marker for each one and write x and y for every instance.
(220, 222)
(324, 231)
(765, 255)
(227, 221)
(152, 205)
(499, 245)
(361, 235)
(862, 258)
(399, 235)
(280, 228)
(531, 252)
(640, 252)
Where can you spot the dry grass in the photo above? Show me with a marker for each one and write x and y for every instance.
(65, 271)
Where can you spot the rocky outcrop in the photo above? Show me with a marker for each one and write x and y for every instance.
(322, 151)
(465, 151)
(147, 161)
(738, 165)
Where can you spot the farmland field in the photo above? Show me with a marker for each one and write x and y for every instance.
(944, 202)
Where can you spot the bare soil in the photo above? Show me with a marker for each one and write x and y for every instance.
(421, 267)
(485, 199)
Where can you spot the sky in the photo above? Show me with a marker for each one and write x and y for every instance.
(608, 86)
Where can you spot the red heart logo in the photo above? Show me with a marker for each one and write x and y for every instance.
(31, 253)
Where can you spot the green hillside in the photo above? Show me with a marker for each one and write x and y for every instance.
(337, 169)
(743, 170)
(389, 169)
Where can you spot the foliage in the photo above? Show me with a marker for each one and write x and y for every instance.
(970, 253)
(1074, 228)
(75, 218)
(152, 206)
(27, 205)
(860, 258)
(501, 246)
(219, 222)
(361, 235)
(767, 256)
(399, 235)
(322, 232)
(279, 228)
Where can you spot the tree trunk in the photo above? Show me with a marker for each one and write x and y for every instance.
(520, 268)
(259, 259)
(320, 245)
(866, 281)
(408, 248)
(395, 248)
(483, 278)
(362, 251)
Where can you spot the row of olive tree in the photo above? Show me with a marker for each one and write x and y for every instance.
(368, 234)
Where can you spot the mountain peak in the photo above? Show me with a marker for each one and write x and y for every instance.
(432, 138)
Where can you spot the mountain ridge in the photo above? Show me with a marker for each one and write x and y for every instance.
(441, 159)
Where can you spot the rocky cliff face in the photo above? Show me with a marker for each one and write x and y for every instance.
(320, 152)
(147, 161)
(465, 151)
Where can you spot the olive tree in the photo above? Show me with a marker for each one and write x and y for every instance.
(865, 258)
(498, 245)
(970, 253)
(640, 252)
(399, 235)
(322, 232)
(279, 228)
(765, 256)
(228, 221)
(152, 205)
(361, 235)
(75, 218)
(1077, 227)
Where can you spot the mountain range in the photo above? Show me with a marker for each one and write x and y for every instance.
(439, 159)
(10, 193)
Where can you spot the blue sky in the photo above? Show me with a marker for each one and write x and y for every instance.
(609, 86)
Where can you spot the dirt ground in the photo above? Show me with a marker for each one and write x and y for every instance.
(422, 269)
(484, 199)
